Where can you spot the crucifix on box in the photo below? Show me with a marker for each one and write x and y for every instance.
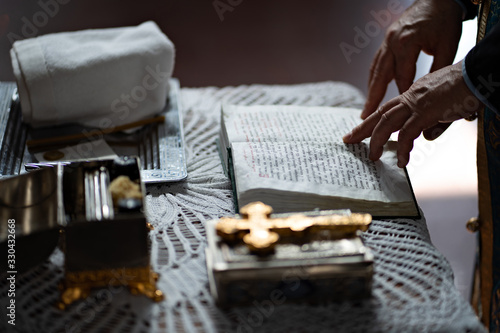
(261, 233)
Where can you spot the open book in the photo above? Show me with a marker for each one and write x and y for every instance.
(293, 159)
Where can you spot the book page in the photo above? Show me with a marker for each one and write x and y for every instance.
(294, 157)
(322, 168)
(285, 123)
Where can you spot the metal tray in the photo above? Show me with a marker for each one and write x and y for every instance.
(160, 146)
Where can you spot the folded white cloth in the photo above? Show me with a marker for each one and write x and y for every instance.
(100, 78)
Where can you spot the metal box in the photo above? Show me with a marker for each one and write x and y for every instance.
(316, 266)
(94, 210)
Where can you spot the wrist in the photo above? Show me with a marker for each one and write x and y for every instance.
(472, 104)
(443, 9)
(461, 5)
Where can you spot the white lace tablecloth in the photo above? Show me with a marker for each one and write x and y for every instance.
(413, 289)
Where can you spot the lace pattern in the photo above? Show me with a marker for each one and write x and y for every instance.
(413, 288)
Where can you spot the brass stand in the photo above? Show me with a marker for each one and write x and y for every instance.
(78, 285)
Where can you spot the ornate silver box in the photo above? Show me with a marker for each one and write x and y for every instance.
(314, 257)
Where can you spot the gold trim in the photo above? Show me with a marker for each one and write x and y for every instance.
(484, 10)
(484, 198)
(485, 225)
(475, 296)
(78, 285)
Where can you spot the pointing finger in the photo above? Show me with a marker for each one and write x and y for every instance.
(406, 67)
(365, 129)
(444, 57)
(381, 73)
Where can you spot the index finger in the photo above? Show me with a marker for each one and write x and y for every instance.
(443, 57)
(406, 67)
(381, 73)
(365, 129)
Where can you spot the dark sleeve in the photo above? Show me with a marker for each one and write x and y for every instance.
(481, 69)
(470, 9)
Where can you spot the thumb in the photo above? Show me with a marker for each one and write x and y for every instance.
(442, 59)
(435, 131)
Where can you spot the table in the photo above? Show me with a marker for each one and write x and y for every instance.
(413, 289)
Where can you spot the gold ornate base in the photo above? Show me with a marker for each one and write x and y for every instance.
(78, 285)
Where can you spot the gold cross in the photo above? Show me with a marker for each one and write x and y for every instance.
(261, 233)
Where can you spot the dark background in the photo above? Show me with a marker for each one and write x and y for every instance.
(252, 41)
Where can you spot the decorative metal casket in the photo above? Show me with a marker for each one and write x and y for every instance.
(315, 257)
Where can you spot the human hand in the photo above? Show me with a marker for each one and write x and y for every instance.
(432, 26)
(437, 98)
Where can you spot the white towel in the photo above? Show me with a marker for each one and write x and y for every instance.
(99, 78)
